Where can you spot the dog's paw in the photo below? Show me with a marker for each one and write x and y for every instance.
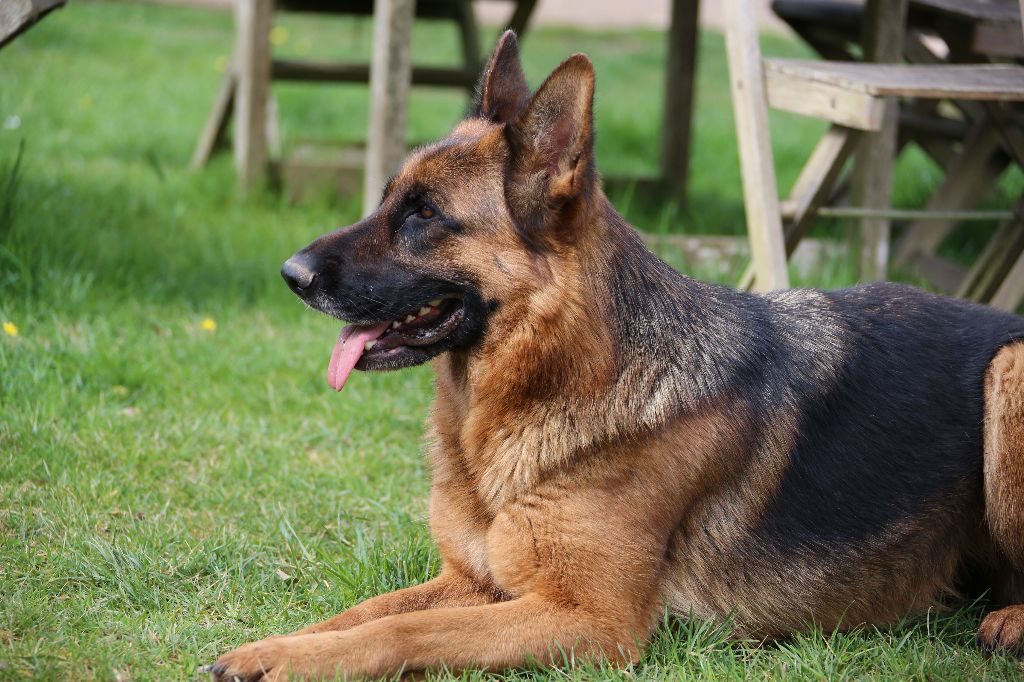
(268, 660)
(1003, 631)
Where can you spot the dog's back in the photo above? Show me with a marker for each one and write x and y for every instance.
(876, 501)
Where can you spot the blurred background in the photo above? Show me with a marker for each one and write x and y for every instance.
(174, 475)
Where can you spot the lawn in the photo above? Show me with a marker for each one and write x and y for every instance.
(175, 476)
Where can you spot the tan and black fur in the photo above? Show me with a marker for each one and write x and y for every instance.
(611, 438)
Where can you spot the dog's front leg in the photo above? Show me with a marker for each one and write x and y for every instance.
(503, 635)
(450, 589)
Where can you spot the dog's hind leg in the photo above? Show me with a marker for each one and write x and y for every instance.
(1004, 487)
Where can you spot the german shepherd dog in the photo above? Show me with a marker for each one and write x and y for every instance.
(612, 439)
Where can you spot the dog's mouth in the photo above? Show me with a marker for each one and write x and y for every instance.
(396, 343)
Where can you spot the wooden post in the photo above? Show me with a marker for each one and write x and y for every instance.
(680, 83)
(252, 61)
(390, 75)
(882, 39)
(750, 106)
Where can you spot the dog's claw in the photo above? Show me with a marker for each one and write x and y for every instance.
(214, 669)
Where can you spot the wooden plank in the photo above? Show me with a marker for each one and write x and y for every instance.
(17, 16)
(274, 145)
(936, 81)
(819, 175)
(328, 72)
(215, 128)
(315, 168)
(882, 41)
(974, 10)
(469, 40)
(993, 263)
(390, 75)
(969, 176)
(913, 214)
(827, 101)
(813, 187)
(1011, 291)
(941, 273)
(998, 39)
(680, 85)
(1008, 122)
(760, 191)
(520, 18)
(252, 61)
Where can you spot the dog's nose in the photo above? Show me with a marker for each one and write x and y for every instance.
(298, 272)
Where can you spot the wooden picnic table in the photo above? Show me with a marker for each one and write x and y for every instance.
(876, 105)
(971, 32)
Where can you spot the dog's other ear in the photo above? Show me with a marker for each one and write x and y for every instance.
(502, 93)
(552, 146)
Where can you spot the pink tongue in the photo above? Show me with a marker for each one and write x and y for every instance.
(348, 350)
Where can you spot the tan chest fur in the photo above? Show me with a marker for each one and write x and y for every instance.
(514, 512)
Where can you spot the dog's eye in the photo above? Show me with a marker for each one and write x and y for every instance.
(425, 212)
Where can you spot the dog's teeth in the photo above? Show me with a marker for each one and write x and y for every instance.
(369, 344)
(396, 324)
(410, 318)
(436, 302)
(424, 310)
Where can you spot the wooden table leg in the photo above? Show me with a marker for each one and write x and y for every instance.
(390, 75)
(882, 38)
(252, 64)
(810, 192)
(680, 82)
(1011, 291)
(750, 107)
(970, 175)
(215, 129)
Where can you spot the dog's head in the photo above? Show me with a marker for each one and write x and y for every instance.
(462, 226)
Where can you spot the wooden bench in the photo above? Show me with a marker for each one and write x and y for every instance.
(859, 100)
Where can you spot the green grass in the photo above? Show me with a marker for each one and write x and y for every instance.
(168, 492)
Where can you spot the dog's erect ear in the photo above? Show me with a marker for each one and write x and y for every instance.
(552, 145)
(502, 93)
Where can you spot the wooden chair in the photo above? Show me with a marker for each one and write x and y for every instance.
(860, 101)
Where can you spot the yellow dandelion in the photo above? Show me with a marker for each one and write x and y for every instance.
(208, 325)
(220, 64)
(278, 36)
(120, 390)
(10, 329)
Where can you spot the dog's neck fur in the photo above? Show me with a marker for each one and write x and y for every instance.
(615, 352)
